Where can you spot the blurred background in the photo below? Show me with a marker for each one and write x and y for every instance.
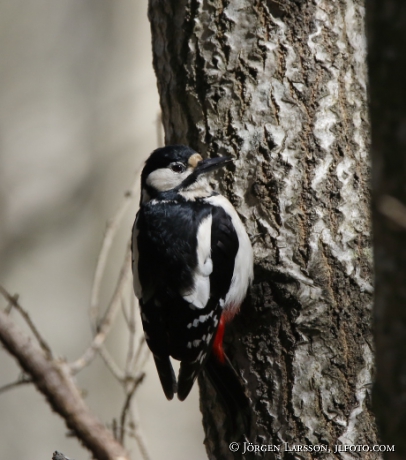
(79, 114)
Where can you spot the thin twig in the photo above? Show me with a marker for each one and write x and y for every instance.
(17, 383)
(137, 435)
(146, 356)
(125, 313)
(107, 320)
(111, 230)
(140, 347)
(13, 300)
(143, 361)
(137, 381)
(111, 365)
(114, 429)
(131, 340)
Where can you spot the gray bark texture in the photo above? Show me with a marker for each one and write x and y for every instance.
(387, 71)
(281, 86)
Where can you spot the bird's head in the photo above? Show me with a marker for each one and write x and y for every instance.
(180, 169)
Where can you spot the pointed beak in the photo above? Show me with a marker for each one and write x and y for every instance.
(211, 164)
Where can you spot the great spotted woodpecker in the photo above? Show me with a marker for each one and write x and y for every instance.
(192, 264)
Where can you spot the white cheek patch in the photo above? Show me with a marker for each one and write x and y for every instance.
(165, 179)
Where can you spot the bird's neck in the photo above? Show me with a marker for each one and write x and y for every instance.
(199, 189)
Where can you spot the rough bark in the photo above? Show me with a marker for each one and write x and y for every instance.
(387, 64)
(281, 86)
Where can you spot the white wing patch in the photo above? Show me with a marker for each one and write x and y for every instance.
(135, 257)
(201, 282)
(244, 261)
(201, 319)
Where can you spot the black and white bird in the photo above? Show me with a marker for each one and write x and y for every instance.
(192, 264)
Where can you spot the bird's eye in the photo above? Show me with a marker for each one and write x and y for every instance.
(177, 167)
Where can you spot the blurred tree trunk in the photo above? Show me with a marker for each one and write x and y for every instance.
(281, 86)
(387, 63)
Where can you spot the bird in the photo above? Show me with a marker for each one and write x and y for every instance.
(192, 264)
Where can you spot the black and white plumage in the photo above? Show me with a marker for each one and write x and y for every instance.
(192, 263)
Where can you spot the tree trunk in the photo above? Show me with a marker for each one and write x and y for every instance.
(281, 86)
(387, 64)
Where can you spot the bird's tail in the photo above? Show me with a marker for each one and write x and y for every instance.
(166, 375)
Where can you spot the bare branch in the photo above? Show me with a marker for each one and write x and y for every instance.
(108, 319)
(137, 363)
(53, 379)
(17, 383)
(111, 230)
(131, 341)
(13, 300)
(126, 315)
(137, 381)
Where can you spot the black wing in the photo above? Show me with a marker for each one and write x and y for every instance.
(224, 248)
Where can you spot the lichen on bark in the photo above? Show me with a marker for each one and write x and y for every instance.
(281, 86)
